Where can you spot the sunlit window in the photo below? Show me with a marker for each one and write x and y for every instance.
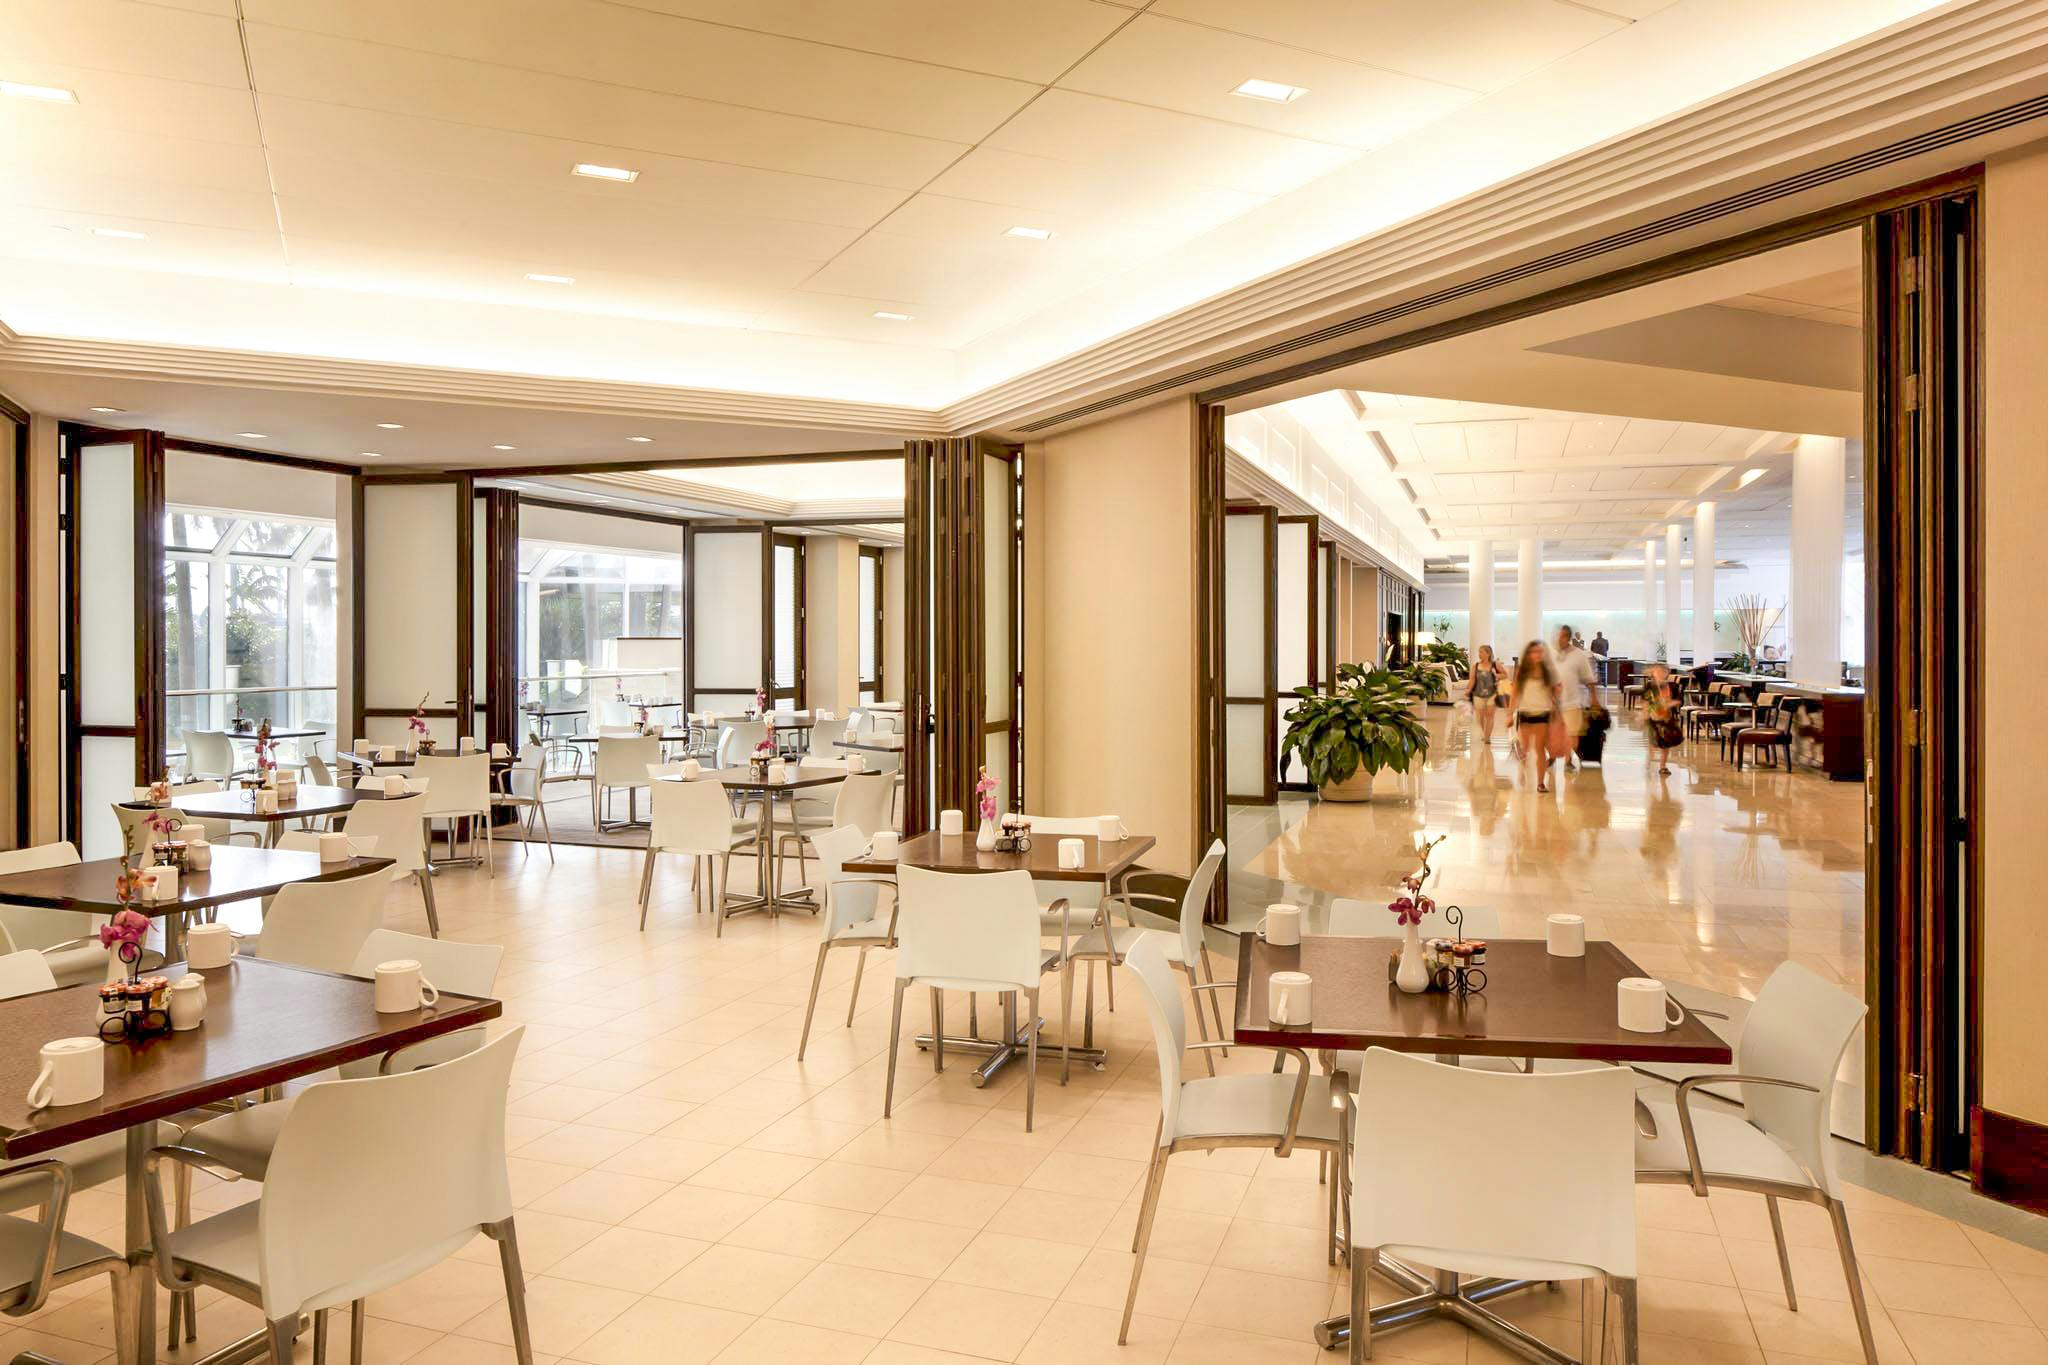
(574, 602)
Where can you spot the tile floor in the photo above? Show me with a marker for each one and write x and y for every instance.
(688, 1191)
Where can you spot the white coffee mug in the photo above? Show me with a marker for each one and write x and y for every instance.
(952, 824)
(270, 777)
(466, 745)
(198, 854)
(334, 848)
(1565, 935)
(1644, 1006)
(1282, 925)
(74, 1071)
(886, 843)
(856, 763)
(1073, 853)
(266, 801)
(188, 1002)
(387, 753)
(361, 748)
(692, 770)
(777, 770)
(1287, 998)
(394, 785)
(162, 881)
(1109, 829)
(403, 987)
(501, 751)
(211, 945)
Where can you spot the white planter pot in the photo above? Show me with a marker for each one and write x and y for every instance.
(1357, 787)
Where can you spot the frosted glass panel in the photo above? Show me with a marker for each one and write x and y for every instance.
(728, 611)
(866, 609)
(785, 616)
(998, 538)
(1244, 605)
(106, 589)
(996, 758)
(409, 573)
(1244, 751)
(106, 774)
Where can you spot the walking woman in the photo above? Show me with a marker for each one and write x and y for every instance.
(1536, 703)
(1482, 689)
(1663, 729)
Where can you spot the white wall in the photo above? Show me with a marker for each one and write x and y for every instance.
(1614, 608)
(599, 531)
(832, 622)
(251, 486)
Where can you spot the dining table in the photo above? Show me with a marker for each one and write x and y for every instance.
(308, 802)
(767, 791)
(266, 1023)
(1102, 860)
(872, 744)
(236, 874)
(1534, 1006)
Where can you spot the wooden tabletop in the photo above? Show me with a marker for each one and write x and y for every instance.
(266, 1023)
(1534, 1005)
(789, 720)
(940, 853)
(237, 873)
(743, 779)
(666, 737)
(873, 746)
(277, 732)
(241, 805)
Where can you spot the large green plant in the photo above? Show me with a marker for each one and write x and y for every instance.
(1365, 722)
(1427, 683)
(1446, 652)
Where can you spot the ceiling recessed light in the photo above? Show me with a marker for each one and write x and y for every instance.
(1749, 477)
(126, 234)
(504, 447)
(643, 440)
(1273, 92)
(887, 316)
(49, 94)
(251, 436)
(1035, 234)
(597, 172)
(108, 409)
(550, 279)
(391, 426)
(370, 455)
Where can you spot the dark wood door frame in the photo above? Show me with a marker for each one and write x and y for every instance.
(873, 554)
(1312, 592)
(1268, 696)
(501, 617)
(797, 694)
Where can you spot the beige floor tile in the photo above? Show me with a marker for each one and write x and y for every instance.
(699, 1212)
(899, 1149)
(1948, 1341)
(847, 1298)
(942, 1199)
(771, 1342)
(996, 1260)
(812, 1230)
(1947, 1290)
(1167, 1289)
(904, 1245)
(1053, 1217)
(844, 1185)
(602, 1196)
(442, 1297)
(629, 1258)
(1266, 1305)
(996, 1323)
(453, 1350)
(1824, 1329)
(662, 1158)
(1077, 1334)
(664, 1332)
(754, 1172)
(561, 1314)
(739, 1278)
(1203, 1345)
(992, 1163)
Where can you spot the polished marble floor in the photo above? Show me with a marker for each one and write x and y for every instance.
(689, 1192)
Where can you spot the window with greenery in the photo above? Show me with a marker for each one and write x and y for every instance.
(574, 600)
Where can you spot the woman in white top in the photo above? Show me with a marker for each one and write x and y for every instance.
(1536, 691)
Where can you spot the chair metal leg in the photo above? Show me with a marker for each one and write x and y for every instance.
(1201, 1019)
(720, 884)
(1784, 1256)
(811, 1006)
(1361, 1305)
(1840, 1214)
(280, 1334)
(124, 1284)
(1030, 1057)
(490, 845)
(860, 964)
(1625, 1315)
(895, 1045)
(646, 886)
(540, 809)
(426, 882)
(182, 1184)
(1590, 1346)
(938, 1030)
(1215, 1004)
(320, 1336)
(1155, 1177)
(356, 1319)
(507, 1238)
(1066, 1018)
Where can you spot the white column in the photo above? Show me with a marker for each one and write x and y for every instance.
(1819, 490)
(1479, 595)
(1650, 632)
(1703, 641)
(1672, 558)
(1529, 586)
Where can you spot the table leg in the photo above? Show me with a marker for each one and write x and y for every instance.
(1444, 1294)
(141, 1137)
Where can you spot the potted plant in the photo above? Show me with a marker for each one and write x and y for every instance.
(1430, 685)
(1347, 735)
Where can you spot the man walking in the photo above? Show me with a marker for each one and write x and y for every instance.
(1576, 682)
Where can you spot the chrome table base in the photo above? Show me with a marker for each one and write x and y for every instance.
(1445, 1294)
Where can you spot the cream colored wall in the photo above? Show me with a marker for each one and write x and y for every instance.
(1109, 621)
(1365, 616)
(10, 622)
(45, 823)
(831, 623)
(893, 681)
(2015, 604)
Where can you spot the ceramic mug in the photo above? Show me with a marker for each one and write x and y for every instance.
(334, 848)
(1282, 925)
(394, 785)
(1073, 853)
(266, 801)
(886, 843)
(692, 770)
(188, 1002)
(74, 1071)
(1644, 1006)
(466, 745)
(856, 763)
(1565, 935)
(1287, 998)
(211, 945)
(952, 824)
(361, 748)
(402, 987)
(161, 881)
(1109, 830)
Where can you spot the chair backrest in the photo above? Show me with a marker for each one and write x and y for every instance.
(878, 763)
(1797, 1030)
(308, 841)
(618, 730)
(452, 965)
(134, 818)
(689, 817)
(323, 924)
(966, 927)
(1558, 1149)
(1195, 903)
(863, 801)
(523, 778)
(341, 1218)
(209, 752)
(457, 784)
(1357, 919)
(622, 759)
(317, 767)
(850, 898)
(1147, 960)
(396, 824)
(36, 926)
(25, 973)
(737, 740)
(1057, 825)
(374, 781)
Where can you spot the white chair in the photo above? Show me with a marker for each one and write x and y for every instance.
(737, 740)
(1263, 1110)
(323, 924)
(308, 841)
(861, 801)
(1558, 1201)
(210, 755)
(398, 825)
(967, 932)
(621, 762)
(459, 788)
(851, 917)
(1185, 949)
(1777, 1141)
(64, 938)
(519, 787)
(694, 819)
(340, 1219)
(317, 769)
(37, 1256)
(242, 1141)
(1089, 902)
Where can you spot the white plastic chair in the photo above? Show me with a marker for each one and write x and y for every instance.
(694, 818)
(209, 755)
(398, 825)
(1262, 1110)
(1777, 1143)
(1106, 942)
(459, 788)
(737, 740)
(519, 787)
(1558, 1201)
(621, 762)
(1185, 949)
(340, 1219)
(65, 938)
(323, 924)
(242, 1141)
(861, 801)
(967, 932)
(851, 915)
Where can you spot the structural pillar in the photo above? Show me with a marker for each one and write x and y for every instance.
(1703, 642)
(1479, 595)
(1651, 635)
(1673, 546)
(1529, 587)
(1819, 491)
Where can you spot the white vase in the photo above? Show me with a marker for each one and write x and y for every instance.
(1413, 974)
(985, 837)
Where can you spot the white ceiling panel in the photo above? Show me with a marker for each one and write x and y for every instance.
(1490, 440)
(1049, 185)
(112, 104)
(126, 37)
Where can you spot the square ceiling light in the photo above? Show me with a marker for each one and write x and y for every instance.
(1273, 92)
(593, 171)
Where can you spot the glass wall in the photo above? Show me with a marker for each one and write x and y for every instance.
(575, 603)
(869, 612)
